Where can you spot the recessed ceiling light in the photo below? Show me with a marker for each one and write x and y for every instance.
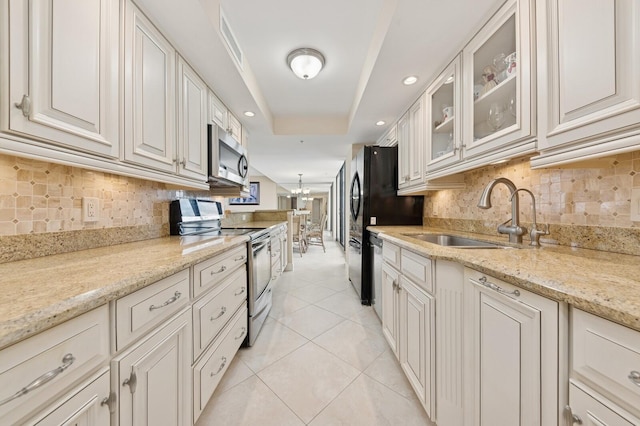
(408, 81)
(249, 113)
(380, 123)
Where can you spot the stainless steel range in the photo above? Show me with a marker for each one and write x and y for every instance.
(202, 218)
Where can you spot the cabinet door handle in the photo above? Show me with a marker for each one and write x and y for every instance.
(222, 269)
(110, 402)
(241, 335)
(131, 381)
(224, 362)
(184, 162)
(634, 376)
(492, 286)
(239, 292)
(570, 418)
(67, 360)
(172, 299)
(24, 105)
(222, 311)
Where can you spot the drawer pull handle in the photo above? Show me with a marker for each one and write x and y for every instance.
(239, 292)
(222, 311)
(244, 330)
(492, 286)
(222, 269)
(238, 259)
(67, 360)
(634, 376)
(173, 298)
(224, 362)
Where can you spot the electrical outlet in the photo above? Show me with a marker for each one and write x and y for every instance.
(635, 204)
(244, 217)
(90, 209)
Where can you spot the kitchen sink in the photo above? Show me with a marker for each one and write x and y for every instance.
(457, 242)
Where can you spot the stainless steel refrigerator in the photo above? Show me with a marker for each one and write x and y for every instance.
(373, 201)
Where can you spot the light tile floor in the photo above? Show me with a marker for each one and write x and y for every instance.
(320, 359)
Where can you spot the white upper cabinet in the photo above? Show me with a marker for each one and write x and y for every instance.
(443, 134)
(192, 123)
(217, 111)
(63, 73)
(498, 106)
(589, 92)
(235, 128)
(410, 133)
(150, 95)
(389, 138)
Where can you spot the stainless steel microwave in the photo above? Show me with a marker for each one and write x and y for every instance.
(228, 165)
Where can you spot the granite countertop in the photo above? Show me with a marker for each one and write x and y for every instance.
(39, 293)
(604, 283)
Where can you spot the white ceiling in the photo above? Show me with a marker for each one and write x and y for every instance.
(370, 46)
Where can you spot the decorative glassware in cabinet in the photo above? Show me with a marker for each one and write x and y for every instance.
(443, 119)
(495, 73)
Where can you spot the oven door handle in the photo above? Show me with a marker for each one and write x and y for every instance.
(260, 241)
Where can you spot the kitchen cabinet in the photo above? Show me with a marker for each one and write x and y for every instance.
(408, 318)
(498, 98)
(218, 113)
(192, 123)
(88, 406)
(416, 341)
(390, 306)
(511, 362)
(153, 377)
(389, 138)
(67, 354)
(62, 74)
(149, 94)
(235, 128)
(601, 390)
(214, 363)
(588, 67)
(443, 108)
(403, 136)
(411, 141)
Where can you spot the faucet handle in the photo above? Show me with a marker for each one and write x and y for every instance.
(536, 233)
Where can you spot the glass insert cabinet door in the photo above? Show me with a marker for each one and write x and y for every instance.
(498, 83)
(443, 114)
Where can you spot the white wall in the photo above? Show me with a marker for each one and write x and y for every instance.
(268, 197)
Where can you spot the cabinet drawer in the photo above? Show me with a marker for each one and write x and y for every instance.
(68, 351)
(594, 411)
(418, 268)
(391, 254)
(80, 407)
(606, 355)
(209, 273)
(208, 372)
(138, 312)
(214, 310)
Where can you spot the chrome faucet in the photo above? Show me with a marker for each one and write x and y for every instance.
(535, 232)
(514, 230)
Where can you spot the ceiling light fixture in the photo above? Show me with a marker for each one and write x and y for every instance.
(408, 81)
(305, 62)
(250, 113)
(380, 123)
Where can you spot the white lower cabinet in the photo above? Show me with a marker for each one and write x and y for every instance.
(390, 306)
(416, 341)
(51, 363)
(408, 319)
(153, 378)
(86, 406)
(511, 362)
(605, 372)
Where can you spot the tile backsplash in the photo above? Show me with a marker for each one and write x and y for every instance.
(39, 197)
(595, 193)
